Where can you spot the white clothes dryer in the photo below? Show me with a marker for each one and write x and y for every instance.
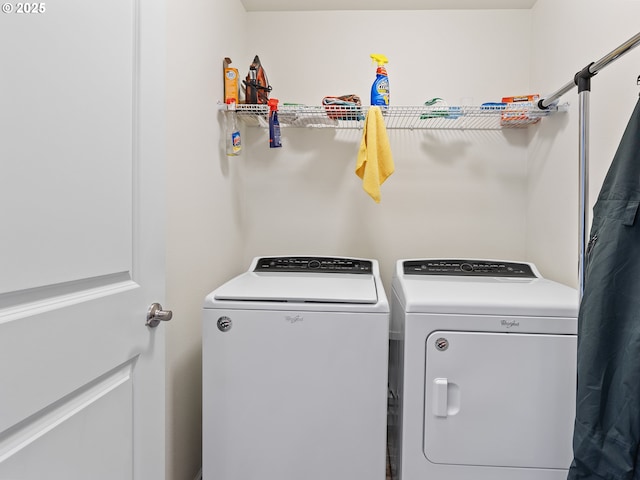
(295, 369)
(483, 364)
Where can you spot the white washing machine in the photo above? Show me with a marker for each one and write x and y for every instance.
(295, 362)
(483, 365)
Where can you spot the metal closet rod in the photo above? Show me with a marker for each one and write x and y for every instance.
(582, 80)
(591, 70)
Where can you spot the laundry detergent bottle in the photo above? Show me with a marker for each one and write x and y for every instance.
(380, 87)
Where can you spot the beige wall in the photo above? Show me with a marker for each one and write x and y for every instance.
(568, 35)
(454, 194)
(204, 228)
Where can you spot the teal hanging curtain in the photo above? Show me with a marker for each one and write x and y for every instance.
(607, 426)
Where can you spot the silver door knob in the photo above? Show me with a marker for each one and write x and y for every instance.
(156, 314)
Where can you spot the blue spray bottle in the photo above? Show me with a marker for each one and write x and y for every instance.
(274, 124)
(380, 87)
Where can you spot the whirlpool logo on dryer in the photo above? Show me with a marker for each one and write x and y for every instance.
(294, 318)
(509, 323)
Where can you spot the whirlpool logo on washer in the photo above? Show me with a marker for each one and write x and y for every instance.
(509, 323)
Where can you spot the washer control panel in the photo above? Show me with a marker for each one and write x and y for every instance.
(472, 268)
(313, 264)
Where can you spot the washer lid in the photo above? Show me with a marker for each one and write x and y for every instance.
(300, 287)
(304, 280)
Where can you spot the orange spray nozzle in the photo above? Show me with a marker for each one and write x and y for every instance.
(273, 104)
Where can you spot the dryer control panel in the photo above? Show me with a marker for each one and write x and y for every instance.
(476, 268)
(313, 264)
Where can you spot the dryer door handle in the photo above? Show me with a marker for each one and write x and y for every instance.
(440, 397)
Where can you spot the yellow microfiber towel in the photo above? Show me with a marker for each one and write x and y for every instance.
(375, 162)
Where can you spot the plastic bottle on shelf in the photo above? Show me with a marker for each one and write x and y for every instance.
(380, 87)
(233, 141)
(274, 124)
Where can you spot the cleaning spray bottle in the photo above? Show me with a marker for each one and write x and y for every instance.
(274, 124)
(380, 87)
(233, 141)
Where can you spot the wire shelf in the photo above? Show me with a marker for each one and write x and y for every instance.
(436, 117)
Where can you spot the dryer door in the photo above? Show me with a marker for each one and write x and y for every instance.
(500, 399)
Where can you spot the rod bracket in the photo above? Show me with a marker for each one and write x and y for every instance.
(541, 105)
(583, 78)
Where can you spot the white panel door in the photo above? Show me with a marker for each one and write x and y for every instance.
(82, 239)
(500, 399)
